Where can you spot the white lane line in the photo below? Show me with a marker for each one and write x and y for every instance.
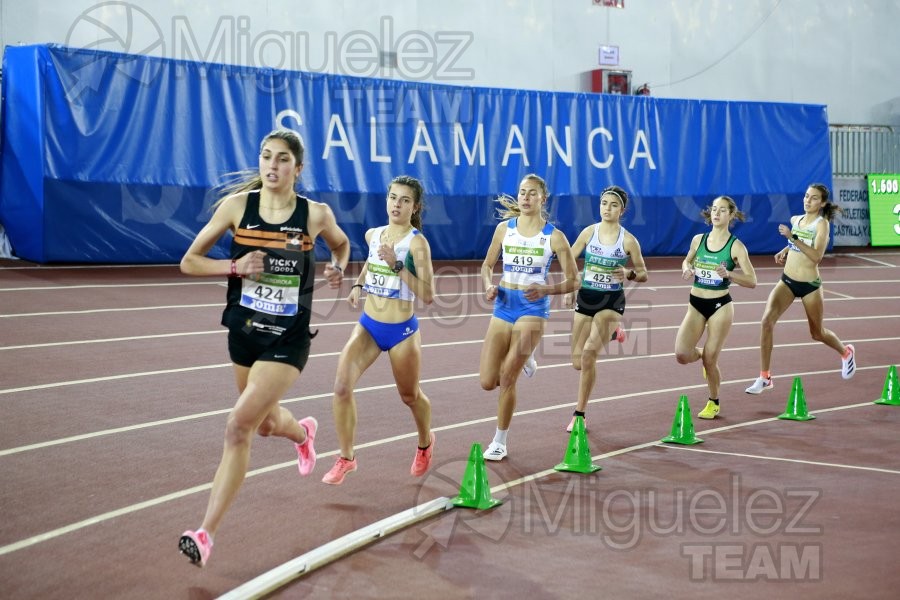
(781, 459)
(95, 311)
(445, 295)
(122, 376)
(439, 318)
(192, 283)
(308, 562)
(103, 286)
(186, 306)
(440, 266)
(132, 338)
(43, 537)
(877, 262)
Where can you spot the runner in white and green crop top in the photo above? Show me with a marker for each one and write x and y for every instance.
(807, 239)
(715, 260)
(397, 270)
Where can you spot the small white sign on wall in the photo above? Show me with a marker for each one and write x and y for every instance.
(609, 56)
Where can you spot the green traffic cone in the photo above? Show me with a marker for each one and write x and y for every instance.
(796, 404)
(891, 393)
(578, 454)
(474, 490)
(682, 426)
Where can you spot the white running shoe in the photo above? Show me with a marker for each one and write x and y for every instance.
(761, 383)
(530, 366)
(848, 365)
(495, 451)
(571, 425)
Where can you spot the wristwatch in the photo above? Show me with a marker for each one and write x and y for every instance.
(398, 266)
(795, 237)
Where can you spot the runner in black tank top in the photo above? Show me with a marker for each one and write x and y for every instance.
(270, 273)
(275, 306)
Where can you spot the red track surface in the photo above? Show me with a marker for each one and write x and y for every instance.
(115, 383)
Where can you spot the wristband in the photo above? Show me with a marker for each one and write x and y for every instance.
(234, 272)
(357, 285)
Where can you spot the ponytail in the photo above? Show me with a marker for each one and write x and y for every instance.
(829, 209)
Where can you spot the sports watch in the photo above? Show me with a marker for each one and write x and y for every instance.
(795, 237)
(398, 266)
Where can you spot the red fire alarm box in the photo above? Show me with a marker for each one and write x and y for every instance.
(607, 81)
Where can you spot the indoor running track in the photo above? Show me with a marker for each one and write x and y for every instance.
(115, 385)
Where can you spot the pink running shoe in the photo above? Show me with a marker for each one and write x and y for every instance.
(196, 545)
(306, 453)
(340, 469)
(618, 335)
(423, 459)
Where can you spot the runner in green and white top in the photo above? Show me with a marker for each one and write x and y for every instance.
(600, 304)
(711, 263)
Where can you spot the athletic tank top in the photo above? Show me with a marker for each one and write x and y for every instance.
(706, 261)
(807, 233)
(526, 260)
(280, 299)
(380, 280)
(600, 260)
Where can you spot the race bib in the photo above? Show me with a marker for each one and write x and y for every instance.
(705, 273)
(598, 273)
(381, 281)
(522, 259)
(806, 236)
(599, 277)
(272, 294)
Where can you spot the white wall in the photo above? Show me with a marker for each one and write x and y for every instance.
(843, 54)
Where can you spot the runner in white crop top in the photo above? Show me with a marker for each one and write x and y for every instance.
(807, 239)
(381, 279)
(397, 271)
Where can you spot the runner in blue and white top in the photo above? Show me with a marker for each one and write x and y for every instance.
(397, 270)
(527, 243)
(526, 259)
(807, 239)
(600, 304)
